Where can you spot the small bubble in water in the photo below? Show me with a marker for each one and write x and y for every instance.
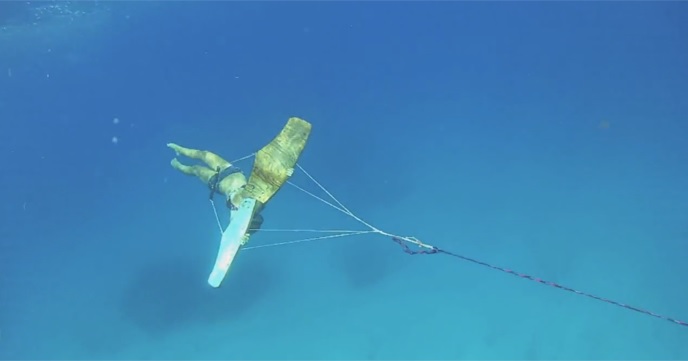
(115, 121)
(115, 140)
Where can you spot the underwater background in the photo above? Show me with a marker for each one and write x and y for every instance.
(547, 138)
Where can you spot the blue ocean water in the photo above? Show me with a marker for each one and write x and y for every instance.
(540, 137)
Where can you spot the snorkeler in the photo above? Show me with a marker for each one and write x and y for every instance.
(273, 166)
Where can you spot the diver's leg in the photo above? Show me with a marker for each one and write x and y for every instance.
(213, 160)
(203, 173)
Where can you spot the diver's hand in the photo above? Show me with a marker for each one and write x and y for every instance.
(244, 239)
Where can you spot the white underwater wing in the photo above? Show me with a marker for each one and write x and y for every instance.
(231, 241)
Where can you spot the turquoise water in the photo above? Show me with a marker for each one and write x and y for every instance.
(547, 138)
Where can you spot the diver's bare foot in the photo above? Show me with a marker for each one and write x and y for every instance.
(176, 164)
(174, 147)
